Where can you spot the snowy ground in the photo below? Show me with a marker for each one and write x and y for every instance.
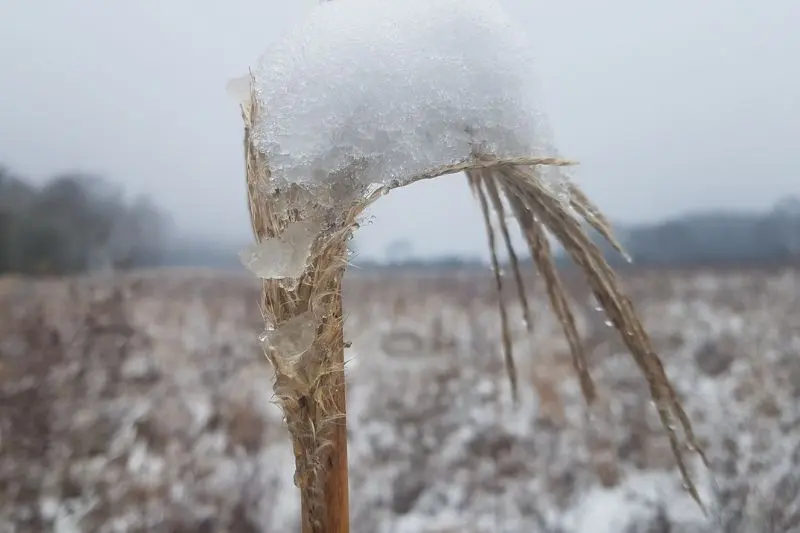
(140, 403)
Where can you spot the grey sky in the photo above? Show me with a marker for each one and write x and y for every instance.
(668, 105)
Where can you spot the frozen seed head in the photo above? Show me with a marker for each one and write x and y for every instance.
(387, 90)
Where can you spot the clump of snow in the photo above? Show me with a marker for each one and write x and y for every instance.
(386, 90)
(284, 256)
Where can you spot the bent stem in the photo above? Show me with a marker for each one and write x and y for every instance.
(309, 373)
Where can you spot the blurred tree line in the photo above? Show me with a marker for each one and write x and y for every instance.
(706, 238)
(715, 238)
(78, 222)
(75, 223)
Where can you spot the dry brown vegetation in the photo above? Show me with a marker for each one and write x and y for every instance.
(141, 402)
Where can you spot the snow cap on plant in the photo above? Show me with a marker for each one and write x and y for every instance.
(366, 96)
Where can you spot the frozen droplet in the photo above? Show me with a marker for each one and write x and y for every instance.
(294, 337)
(268, 329)
(598, 308)
(284, 256)
(609, 323)
(239, 89)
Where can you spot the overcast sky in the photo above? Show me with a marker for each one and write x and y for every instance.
(668, 105)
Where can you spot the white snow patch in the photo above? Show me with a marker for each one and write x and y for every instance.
(613, 510)
(391, 89)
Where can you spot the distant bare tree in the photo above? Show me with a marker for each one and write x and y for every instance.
(74, 223)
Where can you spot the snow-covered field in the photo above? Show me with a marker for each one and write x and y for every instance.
(141, 403)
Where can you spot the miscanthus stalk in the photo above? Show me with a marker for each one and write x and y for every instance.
(367, 96)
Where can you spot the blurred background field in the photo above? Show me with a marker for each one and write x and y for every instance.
(140, 402)
(134, 396)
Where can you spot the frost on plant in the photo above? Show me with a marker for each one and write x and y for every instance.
(284, 256)
(369, 95)
(385, 91)
(289, 341)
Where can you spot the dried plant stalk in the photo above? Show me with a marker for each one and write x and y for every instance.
(475, 182)
(538, 210)
(537, 207)
(310, 386)
(542, 256)
(497, 202)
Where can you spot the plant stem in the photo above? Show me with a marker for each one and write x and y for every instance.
(336, 518)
